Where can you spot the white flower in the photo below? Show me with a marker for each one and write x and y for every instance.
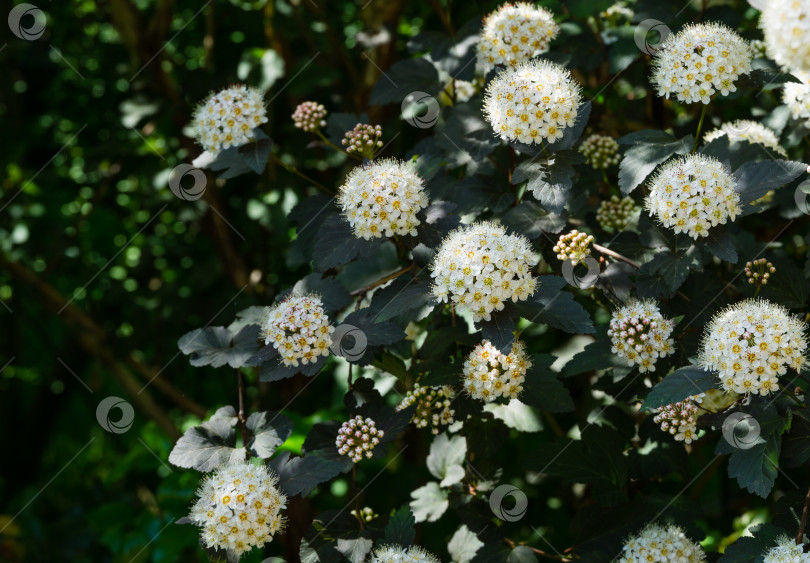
(298, 328)
(574, 246)
(399, 554)
(691, 194)
(228, 118)
(432, 406)
(751, 344)
(533, 101)
(786, 27)
(358, 437)
(747, 130)
(615, 214)
(640, 334)
(680, 419)
(700, 60)
(617, 11)
(786, 551)
(797, 97)
(382, 198)
(600, 151)
(490, 374)
(309, 116)
(239, 507)
(661, 544)
(464, 91)
(514, 33)
(479, 267)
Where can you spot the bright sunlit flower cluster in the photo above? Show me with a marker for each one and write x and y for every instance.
(747, 130)
(751, 344)
(299, 329)
(640, 334)
(786, 550)
(358, 437)
(478, 267)
(797, 97)
(382, 198)
(600, 151)
(680, 419)
(573, 246)
(616, 214)
(399, 554)
(700, 60)
(786, 27)
(239, 507)
(309, 116)
(432, 406)
(692, 194)
(228, 118)
(514, 33)
(490, 374)
(661, 544)
(536, 100)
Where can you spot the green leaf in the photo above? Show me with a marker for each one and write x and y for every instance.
(752, 549)
(209, 445)
(516, 415)
(680, 384)
(404, 295)
(436, 223)
(796, 442)
(217, 346)
(256, 153)
(332, 293)
(521, 554)
(499, 330)
(556, 308)
(466, 137)
(336, 245)
(572, 134)
(755, 179)
(549, 178)
(446, 458)
(404, 77)
(737, 151)
(648, 149)
(532, 221)
(669, 270)
(484, 439)
(400, 529)
(274, 370)
(719, 243)
(463, 545)
(389, 363)
(429, 502)
(269, 430)
(595, 356)
(300, 475)
(543, 390)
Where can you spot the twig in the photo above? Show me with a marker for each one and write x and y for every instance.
(539, 552)
(240, 384)
(293, 170)
(384, 280)
(803, 523)
(613, 254)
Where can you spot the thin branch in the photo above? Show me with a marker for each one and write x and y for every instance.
(384, 280)
(803, 523)
(240, 384)
(613, 254)
(293, 170)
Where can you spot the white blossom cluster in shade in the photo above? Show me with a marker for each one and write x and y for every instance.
(533, 101)
(573, 246)
(309, 116)
(615, 213)
(639, 334)
(490, 374)
(617, 11)
(600, 151)
(797, 97)
(399, 554)
(464, 90)
(228, 118)
(382, 198)
(478, 267)
(786, 27)
(692, 194)
(700, 60)
(661, 544)
(239, 507)
(786, 551)
(299, 329)
(358, 437)
(366, 514)
(514, 33)
(747, 130)
(680, 419)
(752, 343)
(432, 406)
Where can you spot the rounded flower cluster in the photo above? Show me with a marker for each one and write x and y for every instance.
(514, 33)
(692, 194)
(797, 97)
(309, 116)
(786, 551)
(786, 27)
(680, 419)
(615, 213)
(661, 544)
(574, 246)
(479, 267)
(640, 334)
(432, 406)
(382, 198)
(299, 329)
(747, 130)
(366, 514)
(536, 100)
(751, 344)
(490, 374)
(363, 139)
(228, 118)
(759, 271)
(358, 437)
(600, 151)
(700, 60)
(399, 554)
(464, 91)
(239, 507)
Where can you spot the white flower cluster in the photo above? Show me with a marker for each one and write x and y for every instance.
(239, 507)
(298, 328)
(680, 419)
(617, 11)
(357, 437)
(574, 246)
(536, 100)
(464, 91)
(479, 267)
(309, 116)
(692, 194)
(786, 27)
(399, 554)
(490, 374)
(228, 118)
(700, 60)
(662, 544)
(615, 213)
(600, 151)
(514, 33)
(751, 344)
(432, 406)
(797, 97)
(786, 551)
(366, 514)
(382, 198)
(640, 334)
(747, 130)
